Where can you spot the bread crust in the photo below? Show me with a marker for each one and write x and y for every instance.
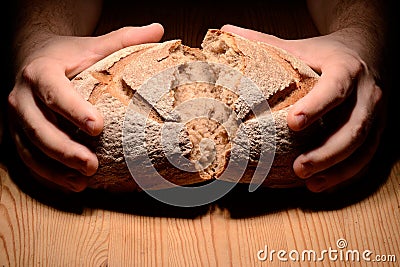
(114, 83)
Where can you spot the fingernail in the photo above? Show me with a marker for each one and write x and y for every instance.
(90, 124)
(316, 184)
(154, 24)
(301, 120)
(307, 169)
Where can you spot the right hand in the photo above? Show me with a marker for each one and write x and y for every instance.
(42, 88)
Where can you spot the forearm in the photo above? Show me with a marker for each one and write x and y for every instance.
(331, 16)
(360, 24)
(39, 20)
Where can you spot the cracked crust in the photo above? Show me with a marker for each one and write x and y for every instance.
(112, 83)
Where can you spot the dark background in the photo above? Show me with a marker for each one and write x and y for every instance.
(189, 22)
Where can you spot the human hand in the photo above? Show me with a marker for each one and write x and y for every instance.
(347, 95)
(42, 89)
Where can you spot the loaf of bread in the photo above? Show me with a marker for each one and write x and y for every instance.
(193, 113)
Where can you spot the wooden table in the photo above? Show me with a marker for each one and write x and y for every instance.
(101, 230)
(39, 227)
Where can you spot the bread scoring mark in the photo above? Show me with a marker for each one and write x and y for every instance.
(291, 94)
(284, 98)
(103, 76)
(296, 90)
(110, 80)
(140, 105)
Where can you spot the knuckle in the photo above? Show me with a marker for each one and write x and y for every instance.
(34, 74)
(342, 90)
(83, 158)
(356, 68)
(66, 152)
(317, 161)
(30, 70)
(12, 99)
(27, 72)
(359, 131)
(353, 64)
(351, 70)
(49, 98)
(306, 166)
(78, 158)
(377, 94)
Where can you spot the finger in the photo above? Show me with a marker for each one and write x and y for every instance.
(298, 48)
(347, 169)
(333, 87)
(303, 49)
(336, 147)
(51, 140)
(97, 48)
(355, 163)
(127, 36)
(345, 140)
(57, 93)
(48, 171)
(342, 143)
(256, 36)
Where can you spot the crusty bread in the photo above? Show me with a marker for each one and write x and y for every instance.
(114, 84)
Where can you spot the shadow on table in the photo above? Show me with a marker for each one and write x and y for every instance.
(135, 203)
(239, 202)
(242, 203)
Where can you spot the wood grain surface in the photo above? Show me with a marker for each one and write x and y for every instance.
(229, 233)
(42, 227)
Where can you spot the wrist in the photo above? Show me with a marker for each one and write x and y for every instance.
(368, 48)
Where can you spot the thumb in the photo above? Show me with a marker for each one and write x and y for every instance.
(287, 45)
(107, 44)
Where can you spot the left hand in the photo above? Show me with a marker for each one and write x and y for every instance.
(346, 91)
